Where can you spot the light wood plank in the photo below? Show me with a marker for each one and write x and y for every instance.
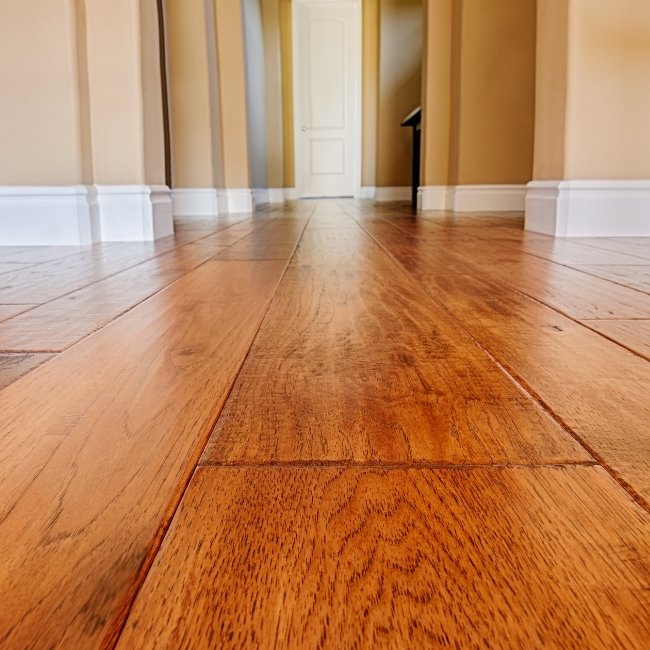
(306, 558)
(14, 366)
(354, 362)
(59, 324)
(634, 334)
(9, 311)
(631, 275)
(97, 445)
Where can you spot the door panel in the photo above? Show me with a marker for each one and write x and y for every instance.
(326, 100)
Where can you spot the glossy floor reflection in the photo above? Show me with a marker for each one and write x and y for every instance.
(330, 424)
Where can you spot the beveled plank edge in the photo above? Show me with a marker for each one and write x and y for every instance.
(523, 386)
(122, 615)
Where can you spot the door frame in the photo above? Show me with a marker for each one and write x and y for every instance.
(357, 98)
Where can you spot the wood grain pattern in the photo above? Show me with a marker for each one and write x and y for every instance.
(633, 334)
(97, 445)
(599, 390)
(630, 275)
(14, 366)
(354, 362)
(60, 323)
(325, 558)
(52, 279)
(9, 311)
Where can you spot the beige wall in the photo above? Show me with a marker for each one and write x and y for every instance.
(40, 132)
(370, 91)
(593, 90)
(400, 80)
(608, 99)
(497, 92)
(437, 92)
(189, 89)
(232, 82)
(479, 92)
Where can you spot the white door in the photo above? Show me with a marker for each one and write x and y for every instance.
(328, 89)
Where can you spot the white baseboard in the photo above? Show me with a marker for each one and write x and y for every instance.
(367, 192)
(195, 202)
(590, 208)
(46, 216)
(291, 194)
(472, 198)
(272, 195)
(134, 212)
(82, 215)
(387, 194)
(436, 197)
(232, 201)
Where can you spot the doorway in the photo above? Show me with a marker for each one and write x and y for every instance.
(327, 97)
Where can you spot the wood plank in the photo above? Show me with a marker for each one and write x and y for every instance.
(634, 334)
(354, 362)
(306, 558)
(598, 389)
(274, 240)
(9, 311)
(14, 366)
(635, 246)
(571, 252)
(634, 276)
(97, 445)
(57, 325)
(50, 280)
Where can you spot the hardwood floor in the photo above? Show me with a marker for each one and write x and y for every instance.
(326, 425)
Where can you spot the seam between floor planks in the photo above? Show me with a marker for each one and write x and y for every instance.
(524, 386)
(165, 530)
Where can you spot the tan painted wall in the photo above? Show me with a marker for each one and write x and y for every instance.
(232, 82)
(551, 97)
(497, 92)
(189, 86)
(400, 80)
(608, 102)
(370, 92)
(271, 23)
(436, 92)
(286, 51)
(40, 132)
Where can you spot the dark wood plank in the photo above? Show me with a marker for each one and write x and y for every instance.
(354, 362)
(307, 558)
(633, 334)
(14, 366)
(97, 445)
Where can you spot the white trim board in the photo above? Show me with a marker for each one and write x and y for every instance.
(82, 215)
(472, 198)
(195, 202)
(589, 208)
(269, 195)
(235, 201)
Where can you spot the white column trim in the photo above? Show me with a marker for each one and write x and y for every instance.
(436, 197)
(233, 201)
(134, 212)
(82, 215)
(589, 208)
